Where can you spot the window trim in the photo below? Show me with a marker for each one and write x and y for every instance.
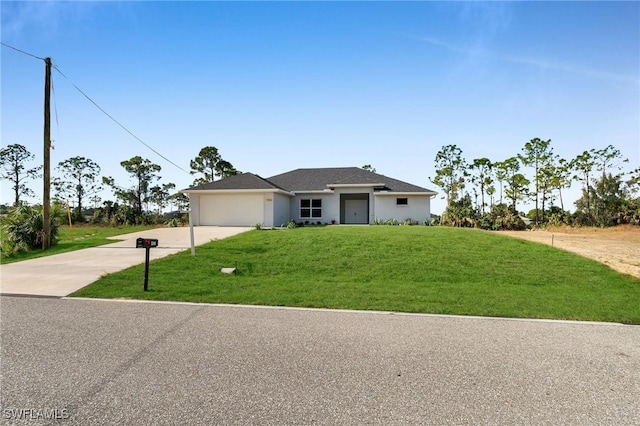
(404, 204)
(309, 205)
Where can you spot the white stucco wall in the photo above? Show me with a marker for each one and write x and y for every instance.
(275, 209)
(194, 209)
(330, 207)
(417, 209)
(280, 208)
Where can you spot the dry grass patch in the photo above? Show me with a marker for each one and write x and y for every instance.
(617, 247)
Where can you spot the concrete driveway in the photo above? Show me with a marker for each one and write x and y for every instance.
(95, 362)
(62, 274)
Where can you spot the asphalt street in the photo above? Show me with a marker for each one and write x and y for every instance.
(93, 362)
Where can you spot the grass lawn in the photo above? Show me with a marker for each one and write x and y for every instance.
(83, 237)
(401, 268)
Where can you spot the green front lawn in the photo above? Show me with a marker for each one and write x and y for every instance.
(401, 268)
(77, 238)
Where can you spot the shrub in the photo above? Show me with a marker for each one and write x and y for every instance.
(460, 213)
(24, 229)
(501, 218)
(173, 222)
(291, 224)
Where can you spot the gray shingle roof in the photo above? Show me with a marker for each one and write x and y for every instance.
(319, 179)
(243, 181)
(301, 180)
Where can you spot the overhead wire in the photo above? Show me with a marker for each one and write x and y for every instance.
(116, 121)
(55, 108)
(97, 106)
(21, 51)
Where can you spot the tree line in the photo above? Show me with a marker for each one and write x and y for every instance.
(485, 193)
(79, 179)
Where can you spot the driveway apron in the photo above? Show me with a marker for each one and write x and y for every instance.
(62, 274)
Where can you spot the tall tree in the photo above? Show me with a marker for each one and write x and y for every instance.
(205, 163)
(607, 200)
(143, 172)
(560, 177)
(583, 166)
(491, 190)
(633, 183)
(501, 172)
(450, 172)
(13, 168)
(606, 158)
(514, 180)
(159, 195)
(79, 180)
(536, 154)
(482, 177)
(517, 189)
(550, 179)
(180, 200)
(224, 169)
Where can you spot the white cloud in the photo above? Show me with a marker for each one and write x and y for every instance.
(535, 62)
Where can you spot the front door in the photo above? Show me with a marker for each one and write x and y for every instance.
(355, 211)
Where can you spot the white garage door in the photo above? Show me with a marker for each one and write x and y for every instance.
(355, 211)
(231, 210)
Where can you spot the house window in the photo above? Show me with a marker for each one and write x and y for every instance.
(310, 208)
(402, 201)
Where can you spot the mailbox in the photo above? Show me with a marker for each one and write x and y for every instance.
(146, 243)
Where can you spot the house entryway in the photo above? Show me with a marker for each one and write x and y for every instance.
(354, 208)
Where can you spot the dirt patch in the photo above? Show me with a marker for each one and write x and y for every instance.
(618, 248)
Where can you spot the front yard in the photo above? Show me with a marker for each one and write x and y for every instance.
(76, 238)
(400, 268)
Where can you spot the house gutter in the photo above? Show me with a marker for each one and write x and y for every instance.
(391, 193)
(235, 191)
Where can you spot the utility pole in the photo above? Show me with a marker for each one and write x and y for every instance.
(46, 175)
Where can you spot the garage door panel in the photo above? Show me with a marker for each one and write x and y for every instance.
(231, 210)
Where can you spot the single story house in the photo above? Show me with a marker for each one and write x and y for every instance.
(345, 195)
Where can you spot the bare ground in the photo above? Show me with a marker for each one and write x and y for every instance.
(618, 248)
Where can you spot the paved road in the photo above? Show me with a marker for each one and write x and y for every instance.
(142, 363)
(62, 274)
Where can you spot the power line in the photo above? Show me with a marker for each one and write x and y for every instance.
(97, 106)
(21, 51)
(116, 121)
(55, 107)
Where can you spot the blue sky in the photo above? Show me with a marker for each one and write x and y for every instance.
(278, 86)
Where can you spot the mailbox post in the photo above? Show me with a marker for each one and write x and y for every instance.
(146, 244)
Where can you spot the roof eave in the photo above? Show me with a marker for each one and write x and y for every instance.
(395, 193)
(313, 191)
(356, 185)
(243, 191)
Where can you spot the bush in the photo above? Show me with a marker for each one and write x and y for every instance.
(460, 213)
(173, 223)
(558, 217)
(24, 229)
(501, 218)
(291, 224)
